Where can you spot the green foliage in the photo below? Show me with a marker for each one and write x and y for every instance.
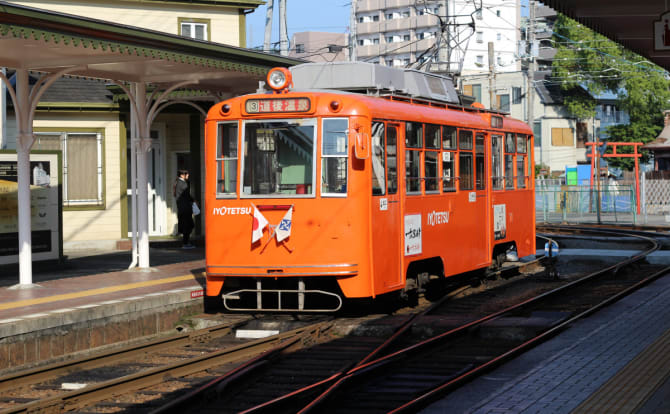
(588, 61)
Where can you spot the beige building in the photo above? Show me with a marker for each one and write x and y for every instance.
(319, 46)
(88, 121)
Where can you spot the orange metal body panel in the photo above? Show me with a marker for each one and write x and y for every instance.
(352, 238)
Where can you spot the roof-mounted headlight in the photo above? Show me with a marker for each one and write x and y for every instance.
(279, 79)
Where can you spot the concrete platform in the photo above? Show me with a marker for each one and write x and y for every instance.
(615, 361)
(92, 300)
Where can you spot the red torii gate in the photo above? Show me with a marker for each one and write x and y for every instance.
(636, 155)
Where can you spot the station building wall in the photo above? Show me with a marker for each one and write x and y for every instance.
(225, 25)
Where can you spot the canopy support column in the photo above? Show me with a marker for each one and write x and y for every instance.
(143, 110)
(25, 105)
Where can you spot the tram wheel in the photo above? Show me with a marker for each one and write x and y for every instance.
(212, 304)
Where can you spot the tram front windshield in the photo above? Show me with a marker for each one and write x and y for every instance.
(279, 158)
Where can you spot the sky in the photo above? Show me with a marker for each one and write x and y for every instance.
(302, 16)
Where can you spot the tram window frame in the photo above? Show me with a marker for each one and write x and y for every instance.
(433, 136)
(247, 166)
(509, 171)
(340, 154)
(521, 147)
(392, 155)
(453, 137)
(497, 164)
(465, 139)
(480, 161)
(520, 171)
(413, 164)
(465, 181)
(222, 159)
(531, 167)
(521, 160)
(431, 160)
(379, 184)
(413, 135)
(510, 143)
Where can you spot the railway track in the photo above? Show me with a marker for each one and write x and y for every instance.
(74, 384)
(402, 375)
(317, 369)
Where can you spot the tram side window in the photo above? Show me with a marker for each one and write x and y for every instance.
(430, 167)
(226, 159)
(413, 135)
(413, 139)
(392, 157)
(413, 171)
(480, 162)
(334, 156)
(448, 158)
(520, 161)
(378, 158)
(497, 177)
(433, 136)
(465, 170)
(510, 149)
(531, 168)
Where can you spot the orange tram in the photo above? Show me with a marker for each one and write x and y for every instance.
(316, 195)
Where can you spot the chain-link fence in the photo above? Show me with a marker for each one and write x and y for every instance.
(613, 203)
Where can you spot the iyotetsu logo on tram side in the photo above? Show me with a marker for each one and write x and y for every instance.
(437, 217)
(222, 211)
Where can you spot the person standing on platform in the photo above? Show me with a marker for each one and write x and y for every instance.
(182, 193)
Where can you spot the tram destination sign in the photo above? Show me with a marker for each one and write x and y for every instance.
(277, 105)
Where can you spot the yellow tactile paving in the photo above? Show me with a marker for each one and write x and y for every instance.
(630, 388)
(91, 292)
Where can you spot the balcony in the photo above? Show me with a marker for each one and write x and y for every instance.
(371, 5)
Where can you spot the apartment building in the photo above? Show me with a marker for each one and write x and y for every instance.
(454, 34)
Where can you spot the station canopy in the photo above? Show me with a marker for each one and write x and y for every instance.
(640, 26)
(45, 41)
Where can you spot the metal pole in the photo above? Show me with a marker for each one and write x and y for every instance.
(268, 26)
(283, 31)
(133, 187)
(352, 34)
(25, 137)
(492, 74)
(531, 71)
(142, 193)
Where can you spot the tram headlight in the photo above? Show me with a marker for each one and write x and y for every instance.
(279, 78)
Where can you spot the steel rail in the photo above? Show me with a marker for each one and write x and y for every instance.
(431, 395)
(40, 374)
(383, 361)
(86, 396)
(334, 381)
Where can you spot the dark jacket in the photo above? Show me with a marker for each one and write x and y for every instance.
(182, 193)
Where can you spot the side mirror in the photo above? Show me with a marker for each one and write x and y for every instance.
(361, 145)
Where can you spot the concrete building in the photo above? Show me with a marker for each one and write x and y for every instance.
(403, 32)
(319, 46)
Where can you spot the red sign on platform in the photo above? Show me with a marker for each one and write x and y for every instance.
(197, 293)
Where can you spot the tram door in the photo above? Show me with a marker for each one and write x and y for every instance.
(386, 220)
(482, 202)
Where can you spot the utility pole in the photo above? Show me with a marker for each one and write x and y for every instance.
(283, 31)
(352, 32)
(492, 76)
(268, 27)
(530, 88)
(444, 55)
